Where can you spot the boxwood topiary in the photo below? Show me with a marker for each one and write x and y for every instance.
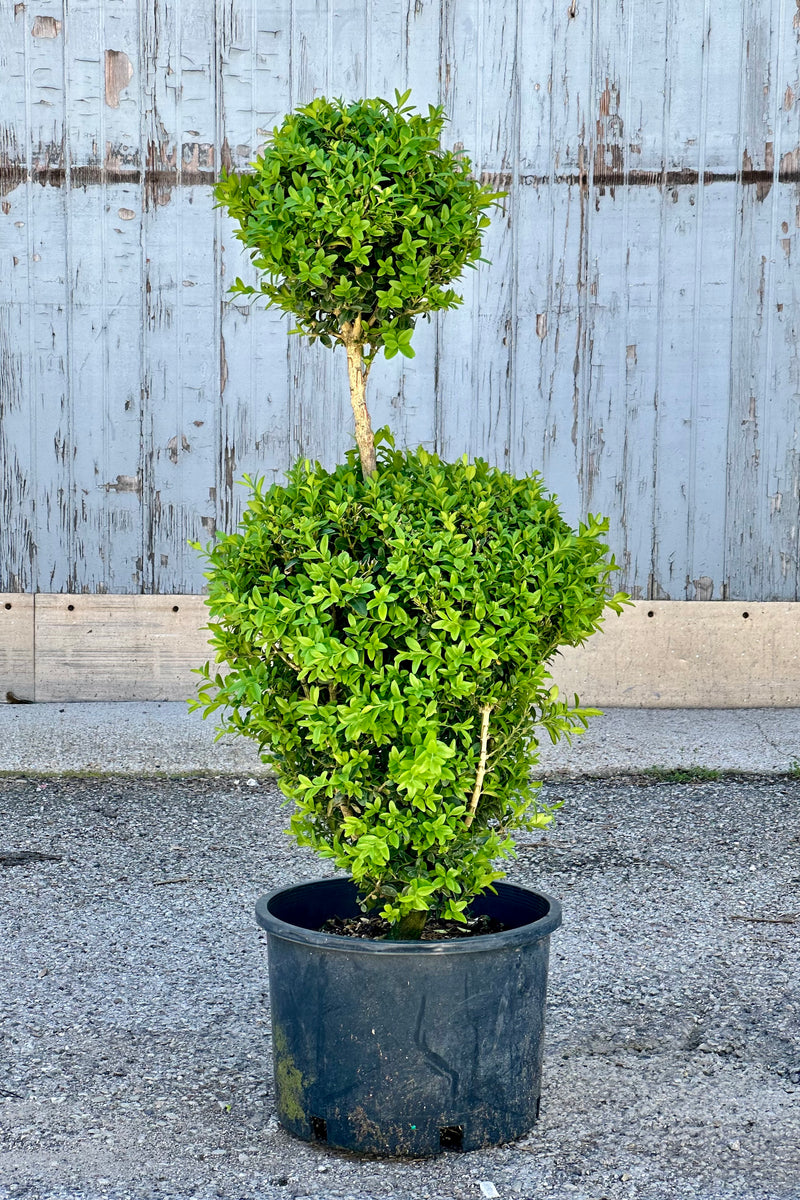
(387, 643)
(387, 626)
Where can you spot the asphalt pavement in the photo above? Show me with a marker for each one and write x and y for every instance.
(135, 1035)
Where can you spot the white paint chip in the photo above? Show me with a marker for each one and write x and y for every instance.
(487, 1188)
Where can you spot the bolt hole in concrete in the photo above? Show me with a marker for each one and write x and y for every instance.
(175, 608)
(651, 613)
(70, 608)
(8, 606)
(745, 615)
(451, 1137)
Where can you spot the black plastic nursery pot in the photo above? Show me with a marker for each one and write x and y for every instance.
(406, 1048)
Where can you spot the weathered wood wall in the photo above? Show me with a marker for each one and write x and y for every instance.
(636, 335)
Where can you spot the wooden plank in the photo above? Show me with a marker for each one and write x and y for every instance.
(104, 381)
(52, 429)
(45, 332)
(496, 155)
(104, 265)
(625, 122)
(181, 321)
(764, 432)
(532, 215)
(17, 498)
(674, 434)
(562, 327)
(632, 533)
(710, 295)
(764, 442)
(254, 415)
(693, 359)
(381, 29)
(118, 647)
(15, 33)
(414, 404)
(689, 655)
(320, 418)
(16, 647)
(17, 478)
(460, 92)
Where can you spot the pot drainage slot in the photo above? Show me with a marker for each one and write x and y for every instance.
(451, 1137)
(319, 1129)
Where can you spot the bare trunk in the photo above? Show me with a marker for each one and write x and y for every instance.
(358, 386)
(409, 928)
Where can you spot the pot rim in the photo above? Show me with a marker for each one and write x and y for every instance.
(519, 936)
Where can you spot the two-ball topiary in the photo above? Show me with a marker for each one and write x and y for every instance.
(386, 627)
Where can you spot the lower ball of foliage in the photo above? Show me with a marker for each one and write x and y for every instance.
(387, 643)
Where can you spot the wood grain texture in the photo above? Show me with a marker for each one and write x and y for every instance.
(635, 335)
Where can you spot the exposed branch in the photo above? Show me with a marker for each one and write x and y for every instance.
(479, 778)
(358, 379)
(291, 663)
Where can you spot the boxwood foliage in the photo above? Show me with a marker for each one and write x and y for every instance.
(357, 218)
(386, 643)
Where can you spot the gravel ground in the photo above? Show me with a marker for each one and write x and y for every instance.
(135, 1023)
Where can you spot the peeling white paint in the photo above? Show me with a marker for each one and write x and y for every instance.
(43, 27)
(634, 335)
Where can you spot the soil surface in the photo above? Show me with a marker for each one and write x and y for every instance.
(135, 1035)
(436, 930)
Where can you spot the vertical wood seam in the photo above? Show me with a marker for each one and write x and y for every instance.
(655, 585)
(292, 413)
(512, 452)
(70, 506)
(179, 200)
(738, 221)
(769, 291)
(218, 290)
(476, 322)
(438, 425)
(625, 278)
(585, 306)
(697, 299)
(33, 366)
(145, 509)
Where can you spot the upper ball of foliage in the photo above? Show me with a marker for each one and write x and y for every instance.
(387, 643)
(354, 211)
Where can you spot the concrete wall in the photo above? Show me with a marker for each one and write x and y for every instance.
(657, 654)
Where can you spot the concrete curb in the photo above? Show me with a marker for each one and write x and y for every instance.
(147, 738)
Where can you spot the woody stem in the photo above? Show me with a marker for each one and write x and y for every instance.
(357, 376)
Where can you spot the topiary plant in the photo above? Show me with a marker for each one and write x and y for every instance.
(386, 626)
(358, 221)
(386, 643)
